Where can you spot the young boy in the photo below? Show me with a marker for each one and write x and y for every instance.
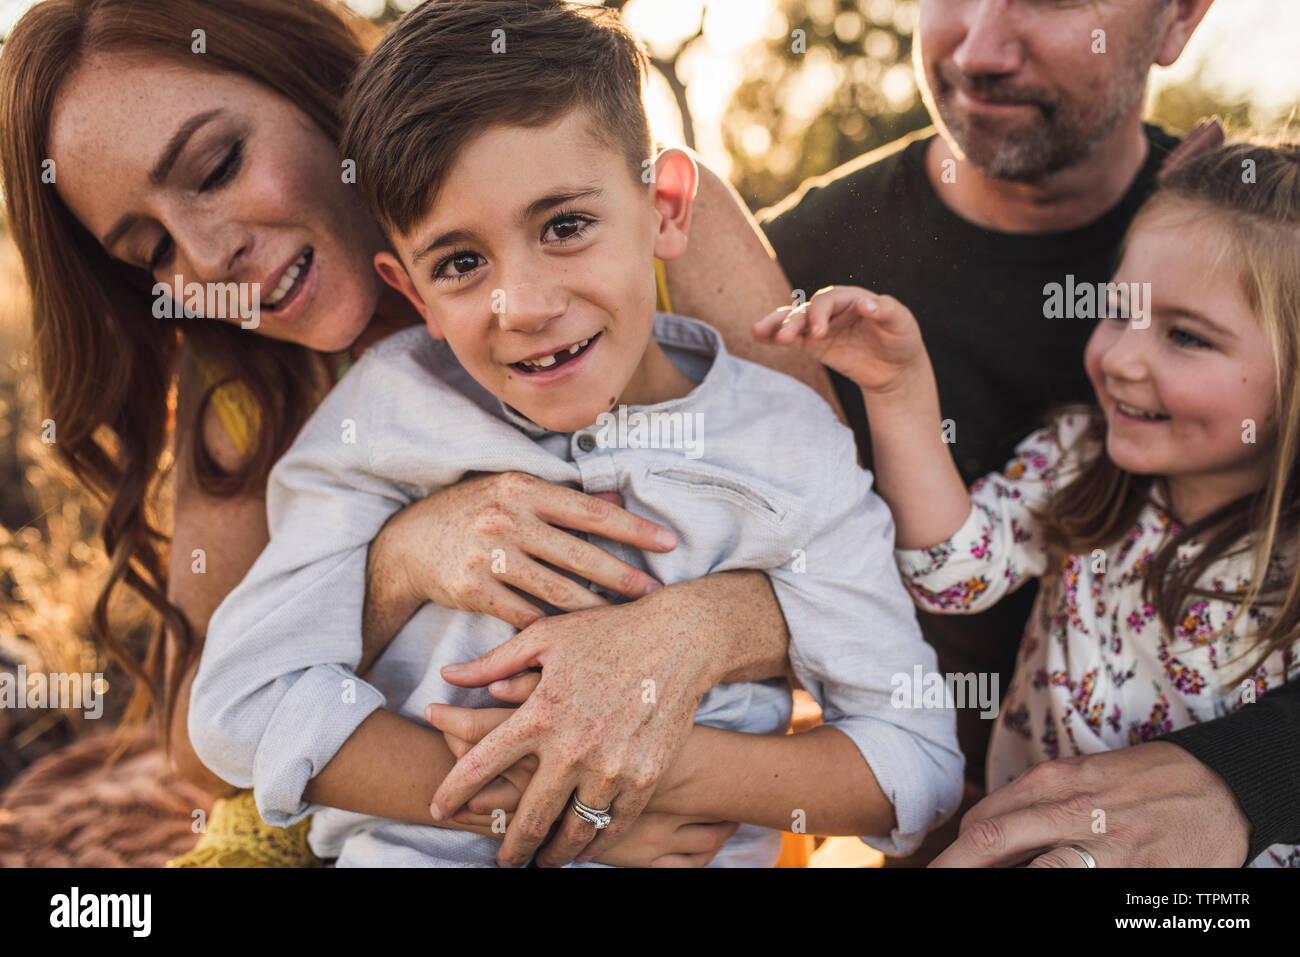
(504, 148)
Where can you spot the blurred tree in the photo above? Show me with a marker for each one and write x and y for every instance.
(833, 80)
(1179, 108)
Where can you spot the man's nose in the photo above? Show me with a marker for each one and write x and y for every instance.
(991, 44)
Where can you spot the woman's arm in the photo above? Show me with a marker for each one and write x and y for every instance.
(816, 782)
(729, 278)
(214, 543)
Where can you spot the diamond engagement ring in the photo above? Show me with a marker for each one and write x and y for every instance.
(596, 817)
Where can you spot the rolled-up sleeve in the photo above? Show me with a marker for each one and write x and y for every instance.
(854, 635)
(276, 693)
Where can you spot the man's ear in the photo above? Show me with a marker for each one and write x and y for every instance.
(675, 181)
(392, 271)
(1187, 16)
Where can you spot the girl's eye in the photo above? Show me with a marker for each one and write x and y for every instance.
(161, 253)
(226, 169)
(1181, 338)
(461, 264)
(567, 226)
(1116, 307)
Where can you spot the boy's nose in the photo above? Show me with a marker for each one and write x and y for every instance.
(527, 306)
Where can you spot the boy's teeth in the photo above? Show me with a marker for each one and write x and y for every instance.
(547, 361)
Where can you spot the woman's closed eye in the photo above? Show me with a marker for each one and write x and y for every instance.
(221, 174)
(226, 169)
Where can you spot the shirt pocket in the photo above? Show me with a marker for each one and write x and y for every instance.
(712, 481)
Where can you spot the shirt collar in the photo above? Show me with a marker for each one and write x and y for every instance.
(677, 334)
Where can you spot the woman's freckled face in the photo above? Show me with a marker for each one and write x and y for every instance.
(253, 186)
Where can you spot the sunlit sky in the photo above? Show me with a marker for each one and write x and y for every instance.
(1245, 48)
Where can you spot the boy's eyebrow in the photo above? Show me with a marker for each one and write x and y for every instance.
(557, 199)
(445, 239)
(537, 206)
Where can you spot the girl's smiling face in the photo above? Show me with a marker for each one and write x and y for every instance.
(1191, 396)
(215, 178)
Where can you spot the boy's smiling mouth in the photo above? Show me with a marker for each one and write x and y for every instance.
(547, 361)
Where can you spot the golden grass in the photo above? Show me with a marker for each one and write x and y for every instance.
(52, 564)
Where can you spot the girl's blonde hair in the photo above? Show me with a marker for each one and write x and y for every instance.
(1251, 193)
(106, 367)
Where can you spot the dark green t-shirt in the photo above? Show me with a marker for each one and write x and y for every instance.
(978, 297)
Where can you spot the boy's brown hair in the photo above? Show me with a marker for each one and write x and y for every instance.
(450, 69)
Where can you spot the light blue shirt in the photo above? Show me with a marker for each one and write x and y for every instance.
(752, 470)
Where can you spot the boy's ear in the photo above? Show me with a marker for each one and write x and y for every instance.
(392, 271)
(674, 196)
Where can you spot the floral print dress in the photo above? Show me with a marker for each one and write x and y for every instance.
(1096, 670)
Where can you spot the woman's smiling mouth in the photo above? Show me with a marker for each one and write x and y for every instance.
(291, 281)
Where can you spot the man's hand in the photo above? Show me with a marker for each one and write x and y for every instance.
(1151, 805)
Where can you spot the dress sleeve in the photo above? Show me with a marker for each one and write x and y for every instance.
(998, 547)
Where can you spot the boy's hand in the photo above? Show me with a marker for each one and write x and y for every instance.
(462, 728)
(874, 340)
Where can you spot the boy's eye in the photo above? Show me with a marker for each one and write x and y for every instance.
(567, 226)
(457, 265)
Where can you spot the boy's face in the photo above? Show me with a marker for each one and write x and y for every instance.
(535, 263)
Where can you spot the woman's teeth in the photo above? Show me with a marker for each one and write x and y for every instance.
(287, 280)
(545, 362)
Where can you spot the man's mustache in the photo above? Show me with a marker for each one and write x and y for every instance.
(995, 89)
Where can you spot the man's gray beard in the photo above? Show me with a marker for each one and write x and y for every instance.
(1059, 138)
(1031, 154)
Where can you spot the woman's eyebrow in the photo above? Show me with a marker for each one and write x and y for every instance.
(158, 175)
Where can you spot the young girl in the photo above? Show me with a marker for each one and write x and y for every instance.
(1163, 521)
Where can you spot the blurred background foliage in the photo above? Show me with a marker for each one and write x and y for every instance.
(729, 80)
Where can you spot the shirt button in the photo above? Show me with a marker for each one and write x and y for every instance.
(586, 441)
